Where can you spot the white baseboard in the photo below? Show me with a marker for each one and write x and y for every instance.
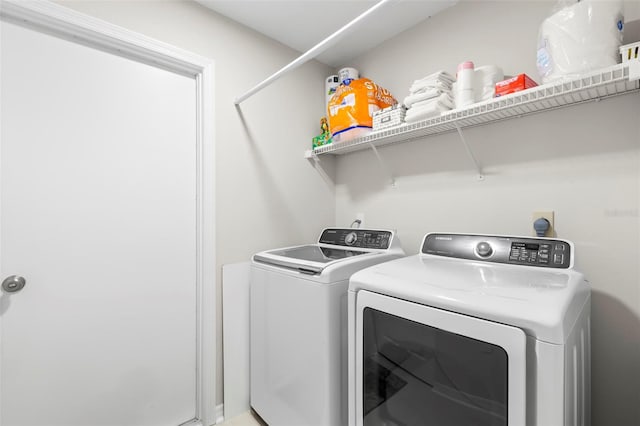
(219, 413)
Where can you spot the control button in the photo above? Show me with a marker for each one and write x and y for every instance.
(483, 249)
(558, 259)
(559, 247)
(351, 238)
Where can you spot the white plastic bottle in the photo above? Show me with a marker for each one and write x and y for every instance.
(464, 84)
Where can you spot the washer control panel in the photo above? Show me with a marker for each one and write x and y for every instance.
(361, 238)
(532, 251)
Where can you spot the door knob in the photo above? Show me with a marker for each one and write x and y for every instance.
(13, 283)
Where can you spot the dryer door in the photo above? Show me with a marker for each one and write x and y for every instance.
(417, 365)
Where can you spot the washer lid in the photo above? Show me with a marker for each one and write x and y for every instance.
(310, 258)
(544, 302)
(315, 253)
(351, 249)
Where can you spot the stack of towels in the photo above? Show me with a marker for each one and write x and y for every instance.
(429, 96)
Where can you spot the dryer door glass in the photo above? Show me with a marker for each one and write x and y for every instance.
(415, 374)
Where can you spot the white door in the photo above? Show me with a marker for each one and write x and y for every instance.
(98, 203)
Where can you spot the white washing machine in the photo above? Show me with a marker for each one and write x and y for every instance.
(299, 324)
(475, 330)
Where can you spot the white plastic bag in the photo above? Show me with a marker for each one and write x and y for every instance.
(579, 37)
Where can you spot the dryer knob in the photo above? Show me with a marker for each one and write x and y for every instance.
(351, 238)
(484, 249)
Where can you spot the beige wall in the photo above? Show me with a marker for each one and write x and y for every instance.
(581, 162)
(267, 194)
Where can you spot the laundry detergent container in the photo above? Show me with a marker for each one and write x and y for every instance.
(580, 38)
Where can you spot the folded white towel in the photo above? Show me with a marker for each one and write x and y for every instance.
(421, 85)
(421, 96)
(425, 112)
(429, 108)
(445, 99)
(438, 75)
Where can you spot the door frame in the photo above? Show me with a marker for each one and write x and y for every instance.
(51, 18)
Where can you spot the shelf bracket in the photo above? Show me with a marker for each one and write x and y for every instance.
(383, 165)
(470, 153)
(317, 164)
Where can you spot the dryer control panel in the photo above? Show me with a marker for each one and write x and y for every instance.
(361, 238)
(540, 252)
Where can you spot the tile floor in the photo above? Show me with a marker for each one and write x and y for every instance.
(245, 419)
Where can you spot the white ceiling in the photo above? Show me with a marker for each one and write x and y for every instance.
(301, 24)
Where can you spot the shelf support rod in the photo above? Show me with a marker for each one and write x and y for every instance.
(315, 161)
(383, 165)
(311, 53)
(470, 153)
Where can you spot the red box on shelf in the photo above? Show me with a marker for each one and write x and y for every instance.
(514, 84)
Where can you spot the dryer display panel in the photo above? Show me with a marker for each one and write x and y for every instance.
(418, 374)
(513, 250)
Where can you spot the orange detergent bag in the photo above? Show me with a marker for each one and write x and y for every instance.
(351, 107)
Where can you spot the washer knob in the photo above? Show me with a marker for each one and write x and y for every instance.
(484, 249)
(351, 238)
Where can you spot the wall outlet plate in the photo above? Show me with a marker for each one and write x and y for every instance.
(551, 232)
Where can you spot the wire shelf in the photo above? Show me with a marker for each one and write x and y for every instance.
(597, 85)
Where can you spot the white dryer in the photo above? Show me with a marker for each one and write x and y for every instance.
(475, 330)
(299, 324)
